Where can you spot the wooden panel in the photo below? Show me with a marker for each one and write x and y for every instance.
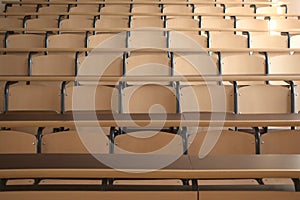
(72, 195)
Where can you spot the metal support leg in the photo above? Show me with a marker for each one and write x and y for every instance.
(296, 184)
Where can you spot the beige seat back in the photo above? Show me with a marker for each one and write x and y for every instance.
(52, 12)
(264, 99)
(53, 65)
(41, 23)
(149, 142)
(13, 65)
(251, 23)
(26, 41)
(13, 142)
(240, 10)
(281, 142)
(268, 41)
(173, 9)
(35, 97)
(229, 143)
(99, 98)
(207, 98)
(146, 22)
(244, 64)
(75, 142)
(149, 99)
(227, 40)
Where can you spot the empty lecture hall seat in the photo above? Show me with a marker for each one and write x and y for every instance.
(147, 22)
(178, 38)
(41, 23)
(146, 9)
(83, 12)
(243, 64)
(155, 39)
(182, 23)
(53, 65)
(228, 143)
(109, 23)
(33, 97)
(52, 12)
(265, 41)
(102, 98)
(174, 9)
(252, 25)
(66, 41)
(284, 64)
(84, 140)
(206, 98)
(99, 98)
(285, 24)
(17, 9)
(264, 99)
(148, 64)
(217, 23)
(268, 11)
(12, 65)
(25, 41)
(17, 142)
(111, 65)
(148, 142)
(195, 65)
(205, 10)
(76, 24)
(149, 98)
(114, 9)
(13, 142)
(8, 23)
(280, 142)
(227, 40)
(236, 11)
(112, 22)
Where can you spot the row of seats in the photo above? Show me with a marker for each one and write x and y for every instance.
(59, 64)
(152, 21)
(211, 98)
(157, 40)
(89, 140)
(153, 8)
